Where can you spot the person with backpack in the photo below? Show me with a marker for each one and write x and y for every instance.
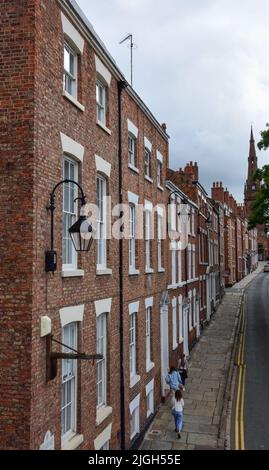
(173, 379)
(177, 410)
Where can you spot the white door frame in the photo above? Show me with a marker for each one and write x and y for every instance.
(185, 331)
(208, 303)
(197, 318)
(164, 347)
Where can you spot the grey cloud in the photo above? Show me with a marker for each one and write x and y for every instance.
(202, 67)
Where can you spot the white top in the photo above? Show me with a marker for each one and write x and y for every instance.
(178, 405)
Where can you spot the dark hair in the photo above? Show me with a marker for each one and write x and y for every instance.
(178, 395)
(172, 369)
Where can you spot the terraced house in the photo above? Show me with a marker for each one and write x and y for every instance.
(78, 129)
(96, 301)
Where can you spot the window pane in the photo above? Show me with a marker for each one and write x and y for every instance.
(68, 396)
(69, 208)
(101, 364)
(66, 60)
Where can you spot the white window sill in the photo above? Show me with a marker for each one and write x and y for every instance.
(175, 345)
(134, 380)
(134, 272)
(181, 284)
(149, 270)
(150, 180)
(73, 273)
(74, 101)
(192, 280)
(100, 124)
(150, 366)
(133, 168)
(103, 271)
(161, 270)
(172, 286)
(102, 413)
(160, 187)
(74, 442)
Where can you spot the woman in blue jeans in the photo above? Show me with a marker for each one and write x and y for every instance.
(177, 407)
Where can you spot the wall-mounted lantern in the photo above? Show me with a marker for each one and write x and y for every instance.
(81, 232)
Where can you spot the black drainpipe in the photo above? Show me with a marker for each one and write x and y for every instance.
(121, 86)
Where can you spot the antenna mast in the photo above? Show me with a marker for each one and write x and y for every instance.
(130, 38)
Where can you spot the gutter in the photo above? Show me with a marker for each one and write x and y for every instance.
(121, 86)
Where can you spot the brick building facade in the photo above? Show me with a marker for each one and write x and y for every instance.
(138, 300)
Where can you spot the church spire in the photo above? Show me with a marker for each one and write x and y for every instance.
(252, 158)
(251, 135)
(251, 186)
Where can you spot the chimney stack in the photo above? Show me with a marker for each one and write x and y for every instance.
(192, 170)
(217, 192)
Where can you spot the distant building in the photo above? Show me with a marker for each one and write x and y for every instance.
(251, 189)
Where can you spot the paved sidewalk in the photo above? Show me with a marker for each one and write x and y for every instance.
(209, 369)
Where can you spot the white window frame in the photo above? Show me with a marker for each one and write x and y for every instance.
(148, 336)
(132, 344)
(190, 311)
(194, 309)
(180, 319)
(159, 228)
(159, 173)
(132, 150)
(193, 221)
(148, 239)
(73, 190)
(134, 408)
(101, 348)
(189, 262)
(193, 261)
(174, 322)
(173, 263)
(101, 106)
(68, 77)
(101, 223)
(147, 162)
(179, 263)
(132, 232)
(71, 379)
(150, 398)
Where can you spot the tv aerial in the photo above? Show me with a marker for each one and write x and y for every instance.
(129, 38)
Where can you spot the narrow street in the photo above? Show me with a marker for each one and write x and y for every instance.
(251, 404)
(205, 388)
(237, 334)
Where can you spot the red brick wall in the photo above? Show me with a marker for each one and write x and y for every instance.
(55, 114)
(142, 286)
(17, 48)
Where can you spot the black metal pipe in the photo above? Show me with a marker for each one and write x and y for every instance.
(121, 86)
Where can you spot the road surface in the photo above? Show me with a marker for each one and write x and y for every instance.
(251, 405)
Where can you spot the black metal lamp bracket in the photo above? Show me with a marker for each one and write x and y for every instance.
(51, 255)
(52, 357)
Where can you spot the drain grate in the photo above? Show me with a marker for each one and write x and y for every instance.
(155, 432)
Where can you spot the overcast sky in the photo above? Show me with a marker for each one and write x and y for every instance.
(201, 66)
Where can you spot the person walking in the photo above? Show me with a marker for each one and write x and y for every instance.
(183, 368)
(177, 409)
(173, 379)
